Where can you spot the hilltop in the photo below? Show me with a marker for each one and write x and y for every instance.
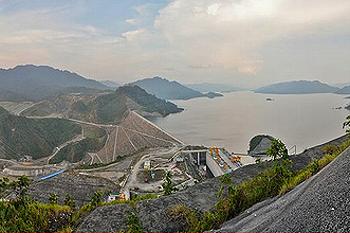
(30, 82)
(165, 89)
(20, 136)
(297, 87)
(104, 108)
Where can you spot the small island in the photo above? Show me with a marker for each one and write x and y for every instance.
(212, 95)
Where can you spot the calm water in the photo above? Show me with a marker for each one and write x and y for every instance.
(231, 121)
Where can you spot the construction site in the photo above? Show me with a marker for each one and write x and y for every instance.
(135, 157)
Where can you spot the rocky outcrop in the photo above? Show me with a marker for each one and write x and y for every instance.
(80, 187)
(154, 214)
(107, 219)
(259, 145)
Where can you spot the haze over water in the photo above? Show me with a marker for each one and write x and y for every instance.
(231, 121)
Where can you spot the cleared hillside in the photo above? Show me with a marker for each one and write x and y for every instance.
(20, 136)
(104, 108)
(131, 135)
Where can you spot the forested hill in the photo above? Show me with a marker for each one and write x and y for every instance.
(20, 136)
(297, 87)
(165, 89)
(30, 82)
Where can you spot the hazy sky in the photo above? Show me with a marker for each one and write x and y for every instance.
(243, 42)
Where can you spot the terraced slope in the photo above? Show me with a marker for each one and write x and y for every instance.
(320, 204)
(132, 134)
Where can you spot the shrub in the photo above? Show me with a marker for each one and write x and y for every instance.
(134, 223)
(183, 213)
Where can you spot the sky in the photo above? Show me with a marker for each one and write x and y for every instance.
(246, 43)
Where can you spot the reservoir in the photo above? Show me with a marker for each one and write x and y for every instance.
(231, 121)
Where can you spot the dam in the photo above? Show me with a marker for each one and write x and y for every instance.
(215, 161)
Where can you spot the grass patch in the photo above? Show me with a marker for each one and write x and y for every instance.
(32, 216)
(134, 224)
(314, 167)
(184, 214)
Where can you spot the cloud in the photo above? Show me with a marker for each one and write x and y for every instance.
(229, 33)
(186, 38)
(133, 35)
(132, 21)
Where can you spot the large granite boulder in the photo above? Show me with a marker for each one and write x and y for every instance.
(259, 145)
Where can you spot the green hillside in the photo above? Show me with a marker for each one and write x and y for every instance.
(21, 136)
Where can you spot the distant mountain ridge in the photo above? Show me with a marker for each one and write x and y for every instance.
(165, 89)
(213, 87)
(31, 82)
(110, 83)
(297, 87)
(344, 90)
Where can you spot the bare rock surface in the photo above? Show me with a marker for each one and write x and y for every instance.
(320, 204)
(80, 187)
(107, 219)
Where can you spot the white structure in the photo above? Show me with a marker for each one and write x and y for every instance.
(113, 197)
(147, 165)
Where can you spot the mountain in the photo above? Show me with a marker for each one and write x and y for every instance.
(30, 82)
(297, 87)
(104, 108)
(341, 85)
(344, 90)
(165, 89)
(20, 136)
(111, 84)
(213, 87)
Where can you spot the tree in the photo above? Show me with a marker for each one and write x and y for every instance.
(53, 199)
(96, 199)
(277, 150)
(346, 125)
(21, 186)
(168, 186)
(69, 201)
